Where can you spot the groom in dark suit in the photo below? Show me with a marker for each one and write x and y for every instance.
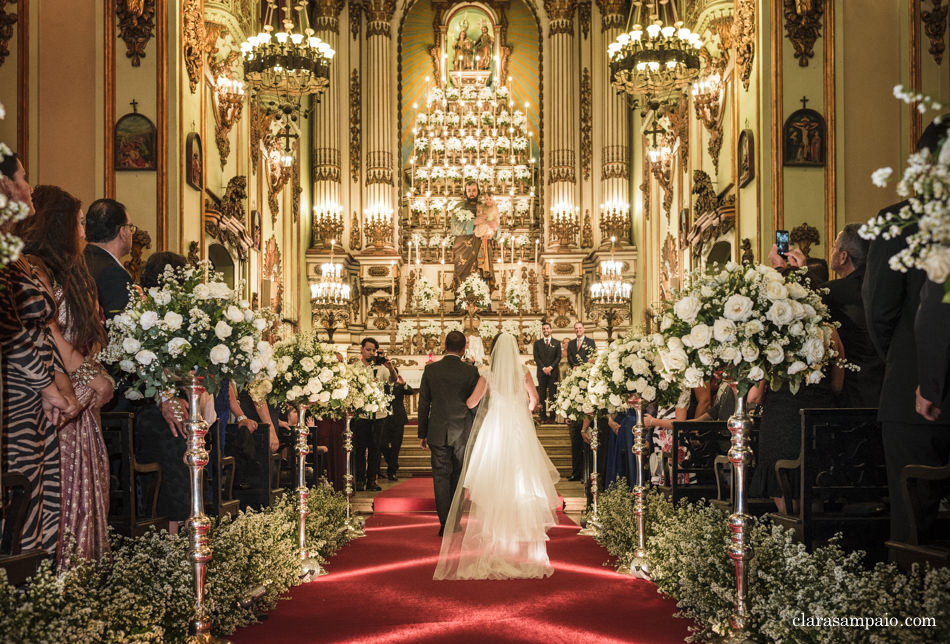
(445, 420)
(547, 355)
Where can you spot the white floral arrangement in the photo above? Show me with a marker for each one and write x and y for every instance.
(452, 119)
(437, 173)
(309, 373)
(502, 92)
(752, 324)
(631, 365)
(436, 95)
(11, 211)
(438, 205)
(418, 206)
(405, 330)
(504, 176)
(504, 117)
(422, 174)
(520, 241)
(488, 118)
(486, 174)
(487, 143)
(453, 145)
(470, 119)
(511, 327)
(436, 240)
(421, 119)
(437, 144)
(519, 120)
(365, 395)
(503, 203)
(453, 325)
(473, 290)
(470, 144)
(532, 329)
(469, 93)
(425, 298)
(431, 329)
(926, 186)
(520, 144)
(453, 173)
(522, 205)
(187, 324)
(522, 173)
(488, 329)
(422, 144)
(470, 173)
(452, 93)
(573, 400)
(417, 239)
(517, 295)
(486, 93)
(437, 118)
(502, 144)
(463, 215)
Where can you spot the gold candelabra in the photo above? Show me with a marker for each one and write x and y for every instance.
(378, 227)
(565, 224)
(614, 221)
(327, 226)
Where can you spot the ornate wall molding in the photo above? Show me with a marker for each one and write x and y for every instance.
(379, 167)
(379, 16)
(613, 14)
(583, 17)
(662, 171)
(326, 165)
(743, 38)
(587, 144)
(935, 26)
(615, 162)
(561, 16)
(227, 107)
(355, 143)
(260, 122)
(273, 271)
(562, 167)
(803, 27)
(276, 175)
(141, 240)
(136, 20)
(193, 41)
(327, 15)
(356, 239)
(356, 16)
(224, 219)
(295, 188)
(710, 113)
(7, 20)
(587, 232)
(678, 118)
(706, 200)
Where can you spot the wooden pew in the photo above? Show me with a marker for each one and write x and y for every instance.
(133, 486)
(703, 441)
(725, 495)
(929, 541)
(260, 476)
(219, 474)
(15, 496)
(842, 485)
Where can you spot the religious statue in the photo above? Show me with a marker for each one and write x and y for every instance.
(473, 224)
(483, 48)
(464, 49)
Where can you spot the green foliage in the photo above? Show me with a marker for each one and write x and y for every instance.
(144, 591)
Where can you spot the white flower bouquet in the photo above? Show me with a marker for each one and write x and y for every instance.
(573, 400)
(502, 92)
(453, 325)
(437, 118)
(522, 173)
(487, 144)
(453, 173)
(488, 118)
(522, 205)
(926, 186)
(519, 120)
(425, 299)
(511, 327)
(309, 373)
(418, 206)
(422, 144)
(453, 145)
(421, 174)
(473, 290)
(631, 365)
(520, 144)
(421, 119)
(437, 144)
(436, 95)
(751, 323)
(470, 144)
(431, 329)
(469, 92)
(502, 144)
(470, 119)
(486, 93)
(187, 324)
(405, 330)
(532, 329)
(504, 176)
(437, 173)
(503, 203)
(365, 395)
(470, 173)
(452, 119)
(488, 329)
(517, 296)
(504, 117)
(438, 205)
(486, 174)
(452, 93)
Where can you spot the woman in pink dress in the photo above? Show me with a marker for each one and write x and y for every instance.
(54, 238)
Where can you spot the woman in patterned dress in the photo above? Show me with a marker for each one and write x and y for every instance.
(53, 237)
(37, 395)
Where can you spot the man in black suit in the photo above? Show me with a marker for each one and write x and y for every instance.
(445, 420)
(547, 355)
(579, 352)
(395, 424)
(848, 258)
(891, 300)
(109, 237)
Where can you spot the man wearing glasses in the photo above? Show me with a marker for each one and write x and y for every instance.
(109, 237)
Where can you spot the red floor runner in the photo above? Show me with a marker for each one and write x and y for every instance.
(413, 495)
(380, 590)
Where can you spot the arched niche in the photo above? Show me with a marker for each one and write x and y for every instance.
(222, 262)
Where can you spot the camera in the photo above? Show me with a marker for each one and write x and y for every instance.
(380, 360)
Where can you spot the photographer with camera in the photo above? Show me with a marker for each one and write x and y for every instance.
(368, 432)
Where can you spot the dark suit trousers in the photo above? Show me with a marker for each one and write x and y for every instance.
(578, 447)
(392, 443)
(547, 389)
(366, 439)
(446, 469)
(906, 444)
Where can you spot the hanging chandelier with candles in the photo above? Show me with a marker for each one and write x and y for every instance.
(611, 294)
(658, 55)
(289, 63)
(331, 291)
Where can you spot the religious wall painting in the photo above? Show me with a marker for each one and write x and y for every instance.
(194, 161)
(471, 44)
(804, 139)
(135, 146)
(746, 156)
(256, 230)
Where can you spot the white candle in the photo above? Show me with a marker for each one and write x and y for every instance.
(537, 243)
(550, 276)
(332, 246)
(392, 277)
(417, 252)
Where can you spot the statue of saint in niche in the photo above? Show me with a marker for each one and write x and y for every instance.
(464, 49)
(483, 48)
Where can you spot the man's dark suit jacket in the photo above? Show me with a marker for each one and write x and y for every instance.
(444, 419)
(933, 348)
(547, 356)
(586, 352)
(111, 278)
(399, 417)
(861, 388)
(891, 300)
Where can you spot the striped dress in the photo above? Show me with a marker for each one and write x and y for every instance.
(29, 358)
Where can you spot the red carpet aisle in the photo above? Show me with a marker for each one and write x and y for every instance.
(380, 590)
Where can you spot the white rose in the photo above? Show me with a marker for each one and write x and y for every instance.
(756, 374)
(617, 376)
(223, 330)
(234, 314)
(796, 367)
(202, 292)
(284, 363)
(750, 352)
(615, 400)
(133, 394)
(131, 345)
(813, 350)
(148, 320)
(256, 364)
(219, 354)
(738, 308)
(265, 349)
(774, 353)
(649, 393)
(724, 330)
(326, 375)
(693, 377)
(307, 364)
(246, 344)
(753, 327)
(687, 308)
(699, 336)
(814, 377)
(796, 291)
(796, 328)
(162, 298)
(127, 366)
(731, 354)
(675, 361)
(775, 290)
(260, 324)
(219, 290)
(324, 396)
(314, 385)
(780, 313)
(249, 315)
(176, 346)
(674, 344)
(937, 262)
(145, 357)
(173, 321)
(705, 356)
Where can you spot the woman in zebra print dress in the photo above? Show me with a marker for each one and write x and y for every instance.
(36, 393)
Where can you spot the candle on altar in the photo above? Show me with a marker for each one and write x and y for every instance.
(443, 251)
(537, 244)
(550, 276)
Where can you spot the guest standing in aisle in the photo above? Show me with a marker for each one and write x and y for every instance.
(547, 356)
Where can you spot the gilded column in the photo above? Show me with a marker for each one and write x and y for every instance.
(378, 128)
(327, 122)
(615, 153)
(564, 131)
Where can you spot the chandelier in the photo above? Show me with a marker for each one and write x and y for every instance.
(611, 294)
(330, 297)
(658, 56)
(288, 64)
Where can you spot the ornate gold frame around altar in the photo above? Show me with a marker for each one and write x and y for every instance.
(479, 63)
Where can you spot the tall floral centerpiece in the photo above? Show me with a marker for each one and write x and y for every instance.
(473, 294)
(631, 371)
(191, 332)
(926, 187)
(750, 323)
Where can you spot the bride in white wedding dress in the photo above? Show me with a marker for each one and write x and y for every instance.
(506, 501)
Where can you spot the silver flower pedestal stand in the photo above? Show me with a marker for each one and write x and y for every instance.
(640, 566)
(198, 524)
(310, 568)
(354, 525)
(593, 521)
(740, 455)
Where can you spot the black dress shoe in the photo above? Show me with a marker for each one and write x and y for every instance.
(360, 487)
(574, 478)
(392, 477)
(441, 530)
(372, 487)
